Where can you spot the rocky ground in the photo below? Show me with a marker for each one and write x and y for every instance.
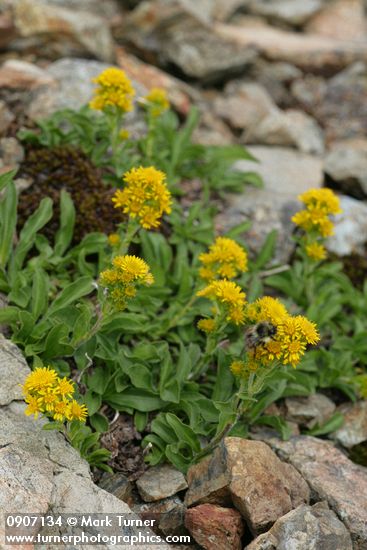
(287, 79)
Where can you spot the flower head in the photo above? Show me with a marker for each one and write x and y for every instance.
(228, 296)
(114, 89)
(156, 101)
(225, 259)
(47, 393)
(145, 196)
(76, 411)
(114, 239)
(314, 218)
(316, 251)
(206, 325)
(324, 199)
(126, 274)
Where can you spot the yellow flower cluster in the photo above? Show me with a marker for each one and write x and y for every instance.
(145, 196)
(156, 101)
(114, 89)
(126, 274)
(45, 392)
(314, 219)
(206, 325)
(292, 333)
(226, 259)
(242, 369)
(229, 298)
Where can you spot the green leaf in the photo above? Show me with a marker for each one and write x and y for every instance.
(135, 398)
(71, 294)
(67, 220)
(57, 342)
(6, 178)
(99, 422)
(278, 423)
(140, 421)
(8, 220)
(183, 431)
(267, 250)
(40, 289)
(93, 402)
(330, 426)
(98, 380)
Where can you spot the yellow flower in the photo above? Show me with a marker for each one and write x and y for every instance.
(48, 399)
(308, 330)
(292, 352)
(316, 251)
(127, 272)
(238, 368)
(157, 101)
(75, 411)
(266, 309)
(124, 134)
(114, 239)
(33, 407)
(60, 411)
(206, 325)
(324, 199)
(228, 295)
(65, 387)
(40, 379)
(145, 196)
(114, 89)
(225, 258)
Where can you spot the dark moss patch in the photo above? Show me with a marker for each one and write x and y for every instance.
(358, 453)
(354, 266)
(67, 168)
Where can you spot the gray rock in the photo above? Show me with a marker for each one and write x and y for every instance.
(286, 173)
(11, 153)
(331, 477)
(354, 429)
(348, 166)
(118, 485)
(160, 482)
(169, 512)
(11, 361)
(309, 411)
(286, 11)
(341, 19)
(350, 228)
(177, 34)
(310, 52)
(60, 31)
(305, 528)
(289, 128)
(339, 104)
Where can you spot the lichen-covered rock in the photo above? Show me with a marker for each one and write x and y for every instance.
(354, 429)
(305, 528)
(215, 527)
(350, 227)
(331, 477)
(11, 360)
(309, 411)
(248, 474)
(347, 166)
(160, 482)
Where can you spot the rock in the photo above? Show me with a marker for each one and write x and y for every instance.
(276, 77)
(309, 411)
(305, 528)
(118, 485)
(286, 174)
(169, 514)
(341, 19)
(285, 11)
(244, 104)
(311, 52)
(15, 74)
(215, 527)
(160, 482)
(244, 472)
(39, 470)
(289, 128)
(11, 154)
(339, 105)
(332, 477)
(211, 129)
(7, 29)
(223, 9)
(179, 93)
(350, 228)
(59, 31)
(107, 9)
(176, 34)
(11, 360)
(6, 117)
(354, 429)
(347, 167)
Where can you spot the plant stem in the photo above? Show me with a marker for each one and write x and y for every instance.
(131, 230)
